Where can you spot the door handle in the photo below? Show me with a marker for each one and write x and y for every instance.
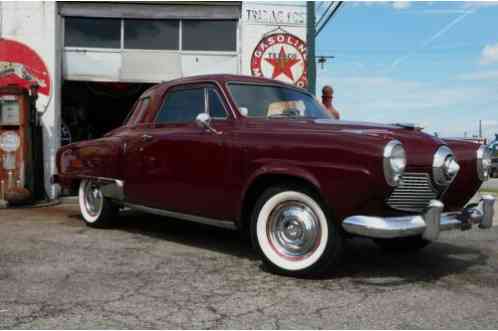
(146, 137)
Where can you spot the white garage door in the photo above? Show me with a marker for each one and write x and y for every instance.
(148, 42)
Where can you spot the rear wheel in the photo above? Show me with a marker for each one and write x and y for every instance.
(96, 210)
(408, 244)
(291, 231)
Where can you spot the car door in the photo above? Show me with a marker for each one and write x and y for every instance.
(184, 166)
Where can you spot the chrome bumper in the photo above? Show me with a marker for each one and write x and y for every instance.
(429, 224)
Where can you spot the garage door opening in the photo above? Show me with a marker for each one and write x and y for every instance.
(91, 109)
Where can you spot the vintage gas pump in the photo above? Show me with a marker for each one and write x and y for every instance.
(18, 156)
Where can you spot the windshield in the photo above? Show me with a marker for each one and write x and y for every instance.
(266, 101)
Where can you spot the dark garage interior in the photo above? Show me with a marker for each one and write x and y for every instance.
(91, 109)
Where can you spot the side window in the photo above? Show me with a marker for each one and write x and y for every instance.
(182, 106)
(215, 104)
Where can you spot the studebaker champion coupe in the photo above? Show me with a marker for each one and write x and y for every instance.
(265, 157)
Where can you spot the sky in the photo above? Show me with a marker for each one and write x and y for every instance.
(429, 63)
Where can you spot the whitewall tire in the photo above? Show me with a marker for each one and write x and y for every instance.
(293, 232)
(96, 210)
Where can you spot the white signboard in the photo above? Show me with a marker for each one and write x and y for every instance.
(274, 41)
(275, 15)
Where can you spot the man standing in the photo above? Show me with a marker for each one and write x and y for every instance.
(327, 97)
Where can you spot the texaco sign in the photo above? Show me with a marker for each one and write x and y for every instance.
(280, 56)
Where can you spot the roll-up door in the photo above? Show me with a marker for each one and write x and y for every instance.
(149, 42)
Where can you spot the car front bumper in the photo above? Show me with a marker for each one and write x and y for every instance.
(428, 224)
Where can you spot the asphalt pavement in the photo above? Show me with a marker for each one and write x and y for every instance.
(153, 272)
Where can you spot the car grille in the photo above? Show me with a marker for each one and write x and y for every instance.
(413, 193)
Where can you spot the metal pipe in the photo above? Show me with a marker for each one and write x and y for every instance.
(310, 42)
(2, 190)
(10, 180)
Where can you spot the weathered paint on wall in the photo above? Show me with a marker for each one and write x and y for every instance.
(259, 19)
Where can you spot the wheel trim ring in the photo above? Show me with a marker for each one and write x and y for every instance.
(264, 244)
(93, 199)
(275, 243)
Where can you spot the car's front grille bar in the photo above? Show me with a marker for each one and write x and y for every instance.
(413, 193)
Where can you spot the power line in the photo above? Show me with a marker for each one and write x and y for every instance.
(324, 14)
(319, 29)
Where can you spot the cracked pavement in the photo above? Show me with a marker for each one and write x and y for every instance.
(155, 272)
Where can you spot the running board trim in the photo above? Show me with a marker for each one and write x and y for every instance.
(193, 218)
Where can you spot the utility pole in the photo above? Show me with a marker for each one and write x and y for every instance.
(310, 42)
(480, 128)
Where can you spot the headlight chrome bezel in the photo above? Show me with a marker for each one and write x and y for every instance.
(394, 162)
(445, 167)
(483, 157)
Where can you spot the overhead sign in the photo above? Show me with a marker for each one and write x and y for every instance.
(22, 66)
(275, 16)
(281, 56)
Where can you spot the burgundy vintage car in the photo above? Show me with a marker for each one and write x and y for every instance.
(264, 157)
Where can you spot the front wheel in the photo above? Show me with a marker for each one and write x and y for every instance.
(291, 231)
(96, 210)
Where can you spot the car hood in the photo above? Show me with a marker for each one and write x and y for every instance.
(420, 147)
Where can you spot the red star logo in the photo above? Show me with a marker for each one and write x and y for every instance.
(282, 64)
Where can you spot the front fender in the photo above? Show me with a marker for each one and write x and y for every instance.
(343, 187)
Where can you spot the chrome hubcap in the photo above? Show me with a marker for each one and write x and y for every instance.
(93, 199)
(293, 230)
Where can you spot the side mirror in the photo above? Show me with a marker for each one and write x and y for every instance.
(203, 120)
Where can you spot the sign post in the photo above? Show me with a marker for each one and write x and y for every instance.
(310, 40)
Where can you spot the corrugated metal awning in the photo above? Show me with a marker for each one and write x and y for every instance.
(151, 10)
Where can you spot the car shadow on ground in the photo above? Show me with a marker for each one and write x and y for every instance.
(362, 261)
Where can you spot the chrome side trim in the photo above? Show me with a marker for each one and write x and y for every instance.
(428, 225)
(193, 218)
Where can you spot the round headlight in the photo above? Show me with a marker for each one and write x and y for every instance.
(483, 162)
(394, 162)
(444, 167)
